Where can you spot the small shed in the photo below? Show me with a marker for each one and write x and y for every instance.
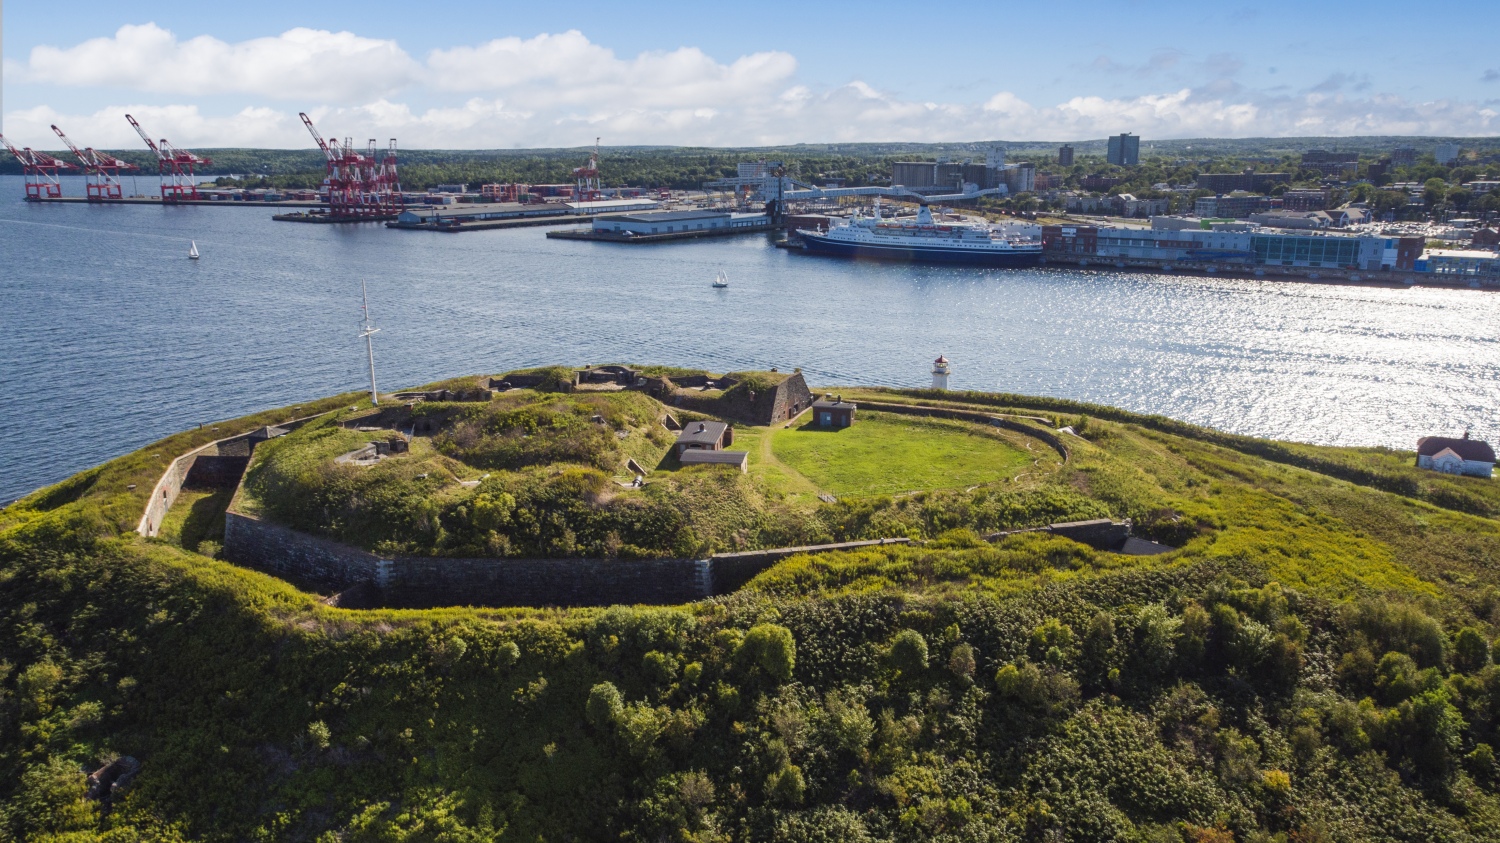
(833, 413)
(704, 436)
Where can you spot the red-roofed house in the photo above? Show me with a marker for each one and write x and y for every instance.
(1473, 457)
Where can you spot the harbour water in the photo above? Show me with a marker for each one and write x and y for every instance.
(111, 338)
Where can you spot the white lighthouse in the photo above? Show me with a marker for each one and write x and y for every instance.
(940, 373)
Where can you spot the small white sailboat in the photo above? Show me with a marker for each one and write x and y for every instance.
(193, 250)
(721, 280)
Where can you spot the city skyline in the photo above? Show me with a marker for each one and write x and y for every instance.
(511, 75)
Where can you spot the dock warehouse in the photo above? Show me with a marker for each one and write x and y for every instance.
(469, 212)
(481, 211)
(671, 222)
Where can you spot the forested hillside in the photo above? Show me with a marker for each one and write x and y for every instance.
(1312, 664)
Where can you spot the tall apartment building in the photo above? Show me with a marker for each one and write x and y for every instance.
(1403, 156)
(1125, 150)
(1446, 153)
(1065, 155)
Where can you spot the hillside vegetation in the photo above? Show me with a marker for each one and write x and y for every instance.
(1313, 664)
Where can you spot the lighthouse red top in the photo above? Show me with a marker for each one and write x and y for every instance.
(941, 360)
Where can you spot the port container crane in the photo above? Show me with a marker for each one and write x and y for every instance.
(361, 186)
(587, 177)
(40, 171)
(102, 169)
(178, 165)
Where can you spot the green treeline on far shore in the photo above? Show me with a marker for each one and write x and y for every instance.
(1173, 163)
(1312, 663)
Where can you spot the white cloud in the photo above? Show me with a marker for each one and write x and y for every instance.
(563, 90)
(297, 64)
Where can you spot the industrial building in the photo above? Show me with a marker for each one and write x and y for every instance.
(677, 222)
(1124, 150)
(1167, 242)
(486, 211)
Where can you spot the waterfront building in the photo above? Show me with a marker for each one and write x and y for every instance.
(1459, 262)
(1124, 150)
(1311, 250)
(1065, 155)
(1164, 245)
(1082, 240)
(1472, 457)
(940, 372)
(676, 222)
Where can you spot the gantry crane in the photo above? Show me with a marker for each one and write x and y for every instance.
(102, 169)
(361, 186)
(177, 164)
(40, 171)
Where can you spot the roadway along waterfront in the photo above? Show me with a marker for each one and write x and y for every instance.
(111, 338)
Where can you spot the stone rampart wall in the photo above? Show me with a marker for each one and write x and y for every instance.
(234, 451)
(274, 549)
(416, 582)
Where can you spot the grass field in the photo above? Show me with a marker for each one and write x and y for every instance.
(884, 454)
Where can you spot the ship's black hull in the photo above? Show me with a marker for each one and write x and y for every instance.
(923, 254)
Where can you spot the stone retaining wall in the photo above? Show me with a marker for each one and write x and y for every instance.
(418, 582)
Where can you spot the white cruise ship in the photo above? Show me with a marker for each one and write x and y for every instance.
(922, 240)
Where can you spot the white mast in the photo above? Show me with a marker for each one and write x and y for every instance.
(369, 331)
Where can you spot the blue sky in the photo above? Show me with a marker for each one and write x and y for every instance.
(461, 74)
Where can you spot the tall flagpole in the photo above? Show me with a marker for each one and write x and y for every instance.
(369, 331)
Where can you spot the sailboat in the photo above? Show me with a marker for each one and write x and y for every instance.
(193, 250)
(721, 280)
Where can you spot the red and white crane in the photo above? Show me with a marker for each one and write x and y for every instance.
(587, 177)
(177, 164)
(102, 169)
(361, 186)
(40, 171)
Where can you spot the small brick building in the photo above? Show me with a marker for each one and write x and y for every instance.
(833, 413)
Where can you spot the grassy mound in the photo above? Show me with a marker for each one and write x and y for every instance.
(884, 454)
(1314, 663)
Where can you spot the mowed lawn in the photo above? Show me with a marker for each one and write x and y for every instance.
(884, 454)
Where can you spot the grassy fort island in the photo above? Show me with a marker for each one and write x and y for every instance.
(1294, 643)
